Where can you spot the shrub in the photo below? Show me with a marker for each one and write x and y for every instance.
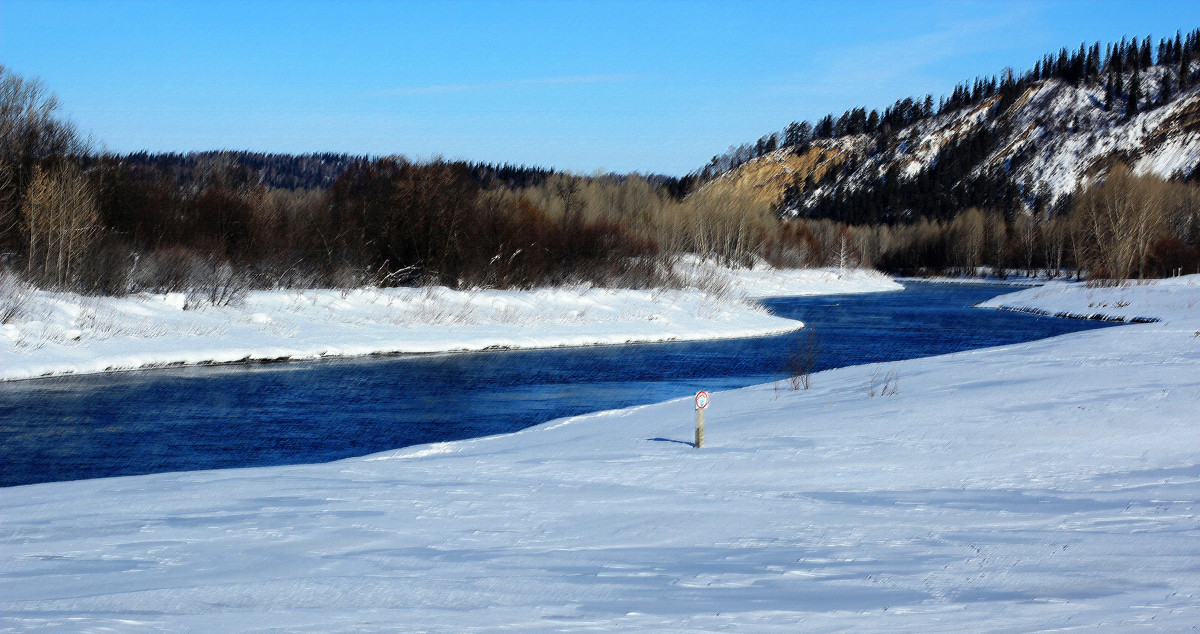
(802, 360)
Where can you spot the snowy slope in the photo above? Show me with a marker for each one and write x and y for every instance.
(1055, 138)
(1151, 300)
(58, 333)
(1073, 140)
(1047, 485)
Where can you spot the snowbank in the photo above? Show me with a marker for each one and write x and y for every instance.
(58, 333)
(1151, 300)
(1047, 485)
(761, 280)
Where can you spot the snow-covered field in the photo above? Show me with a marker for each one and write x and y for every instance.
(57, 333)
(1046, 485)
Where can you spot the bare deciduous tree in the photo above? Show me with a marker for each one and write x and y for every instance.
(61, 223)
(1117, 221)
(31, 136)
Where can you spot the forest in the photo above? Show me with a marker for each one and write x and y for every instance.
(219, 223)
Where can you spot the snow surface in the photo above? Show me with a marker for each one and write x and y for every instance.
(1152, 300)
(58, 333)
(1046, 485)
(761, 280)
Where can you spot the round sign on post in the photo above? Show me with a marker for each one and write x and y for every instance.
(701, 403)
(701, 399)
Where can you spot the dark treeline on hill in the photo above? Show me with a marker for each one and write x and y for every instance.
(940, 192)
(286, 171)
(217, 223)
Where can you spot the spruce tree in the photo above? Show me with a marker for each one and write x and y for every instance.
(1108, 94)
(1164, 94)
(1135, 93)
(791, 136)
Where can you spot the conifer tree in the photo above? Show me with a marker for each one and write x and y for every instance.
(795, 134)
(1135, 93)
(1185, 68)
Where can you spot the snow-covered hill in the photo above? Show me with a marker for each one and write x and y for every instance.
(1051, 140)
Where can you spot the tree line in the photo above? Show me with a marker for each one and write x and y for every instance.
(218, 223)
(74, 219)
(1128, 226)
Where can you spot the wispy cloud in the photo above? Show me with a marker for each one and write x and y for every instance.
(440, 89)
(894, 65)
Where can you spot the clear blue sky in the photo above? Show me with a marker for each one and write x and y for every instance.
(622, 86)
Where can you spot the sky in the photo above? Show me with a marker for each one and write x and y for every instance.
(605, 85)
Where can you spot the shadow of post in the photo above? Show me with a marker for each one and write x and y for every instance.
(682, 442)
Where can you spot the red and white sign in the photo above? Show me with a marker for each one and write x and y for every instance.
(701, 399)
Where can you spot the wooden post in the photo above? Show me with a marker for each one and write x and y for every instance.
(699, 428)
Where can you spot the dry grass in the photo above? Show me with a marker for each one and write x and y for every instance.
(802, 360)
(14, 296)
(886, 386)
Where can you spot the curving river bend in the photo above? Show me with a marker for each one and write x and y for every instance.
(209, 418)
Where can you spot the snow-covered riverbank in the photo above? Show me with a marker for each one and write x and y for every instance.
(1047, 485)
(56, 333)
(1153, 300)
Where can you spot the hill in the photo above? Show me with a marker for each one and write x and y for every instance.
(1009, 145)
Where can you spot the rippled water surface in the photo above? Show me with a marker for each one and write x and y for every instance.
(208, 418)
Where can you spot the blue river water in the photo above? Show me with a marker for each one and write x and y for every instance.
(238, 416)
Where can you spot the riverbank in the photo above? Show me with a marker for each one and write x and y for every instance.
(1044, 485)
(1169, 299)
(59, 333)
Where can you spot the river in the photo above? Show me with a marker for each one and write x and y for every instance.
(238, 416)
